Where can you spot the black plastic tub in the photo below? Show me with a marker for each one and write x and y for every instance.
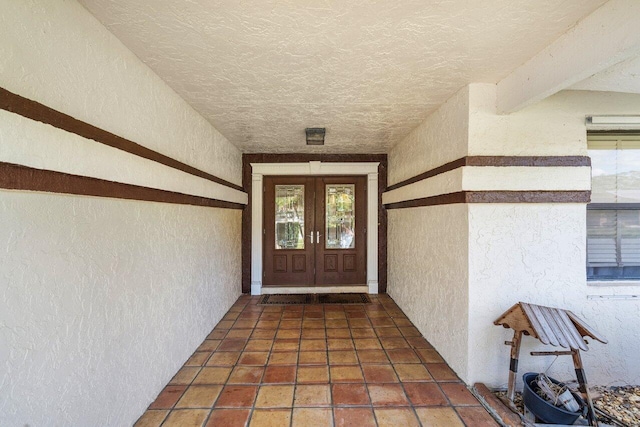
(544, 410)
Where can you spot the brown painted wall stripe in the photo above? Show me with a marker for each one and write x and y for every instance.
(430, 173)
(496, 197)
(17, 177)
(534, 161)
(442, 199)
(613, 132)
(528, 196)
(498, 161)
(33, 110)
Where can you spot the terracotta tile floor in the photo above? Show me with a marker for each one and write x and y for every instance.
(315, 365)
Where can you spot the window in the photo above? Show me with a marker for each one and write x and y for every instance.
(613, 216)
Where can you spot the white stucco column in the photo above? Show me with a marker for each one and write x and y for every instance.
(372, 232)
(495, 216)
(256, 233)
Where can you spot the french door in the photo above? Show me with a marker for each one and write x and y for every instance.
(314, 231)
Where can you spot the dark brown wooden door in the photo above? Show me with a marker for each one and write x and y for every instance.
(341, 219)
(314, 231)
(288, 222)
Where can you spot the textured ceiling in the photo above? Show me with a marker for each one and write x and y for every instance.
(622, 77)
(368, 71)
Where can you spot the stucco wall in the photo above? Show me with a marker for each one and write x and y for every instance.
(428, 275)
(58, 54)
(537, 253)
(520, 252)
(511, 252)
(441, 138)
(427, 247)
(545, 129)
(103, 299)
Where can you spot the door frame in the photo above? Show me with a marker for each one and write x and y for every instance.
(259, 170)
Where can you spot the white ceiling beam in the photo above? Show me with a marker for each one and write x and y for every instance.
(609, 35)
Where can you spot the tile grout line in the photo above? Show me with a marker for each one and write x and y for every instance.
(223, 385)
(249, 313)
(412, 406)
(453, 407)
(213, 407)
(173, 407)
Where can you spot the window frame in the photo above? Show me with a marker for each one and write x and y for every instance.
(616, 137)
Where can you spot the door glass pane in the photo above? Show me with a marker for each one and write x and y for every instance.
(289, 217)
(340, 216)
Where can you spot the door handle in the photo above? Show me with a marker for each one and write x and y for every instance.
(311, 237)
(317, 237)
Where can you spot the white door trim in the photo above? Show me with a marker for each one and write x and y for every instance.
(259, 170)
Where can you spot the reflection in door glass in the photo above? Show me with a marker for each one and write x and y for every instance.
(289, 216)
(340, 216)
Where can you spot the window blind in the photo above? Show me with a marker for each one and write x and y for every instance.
(613, 217)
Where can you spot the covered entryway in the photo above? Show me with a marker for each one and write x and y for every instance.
(315, 364)
(314, 227)
(314, 231)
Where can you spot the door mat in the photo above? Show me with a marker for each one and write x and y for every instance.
(343, 299)
(288, 299)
